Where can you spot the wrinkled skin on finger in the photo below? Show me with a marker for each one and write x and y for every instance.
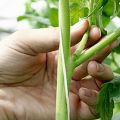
(28, 67)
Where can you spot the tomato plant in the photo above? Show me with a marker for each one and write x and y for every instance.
(98, 12)
(96, 9)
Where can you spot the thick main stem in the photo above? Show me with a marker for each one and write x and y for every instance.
(64, 71)
(96, 48)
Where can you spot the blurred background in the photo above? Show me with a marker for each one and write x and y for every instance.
(9, 11)
(22, 14)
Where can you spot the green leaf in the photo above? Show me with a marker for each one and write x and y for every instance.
(98, 5)
(117, 49)
(33, 18)
(83, 12)
(108, 61)
(81, 3)
(28, 6)
(105, 20)
(77, 13)
(54, 17)
(100, 22)
(78, 9)
(117, 71)
(19, 18)
(105, 102)
(53, 1)
(109, 8)
(74, 13)
(117, 11)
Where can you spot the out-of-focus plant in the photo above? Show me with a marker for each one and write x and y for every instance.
(41, 13)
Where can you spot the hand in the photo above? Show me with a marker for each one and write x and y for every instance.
(28, 62)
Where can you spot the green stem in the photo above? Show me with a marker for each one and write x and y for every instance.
(99, 21)
(64, 71)
(96, 48)
(81, 46)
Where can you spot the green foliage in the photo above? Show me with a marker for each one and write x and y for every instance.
(103, 11)
(46, 16)
(54, 17)
(110, 91)
(109, 11)
(78, 9)
(117, 49)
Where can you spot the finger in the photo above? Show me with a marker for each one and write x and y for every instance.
(88, 96)
(75, 86)
(88, 83)
(81, 71)
(47, 39)
(94, 36)
(100, 71)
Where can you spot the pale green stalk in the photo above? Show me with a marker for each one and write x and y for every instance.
(81, 46)
(83, 42)
(65, 64)
(97, 47)
(64, 71)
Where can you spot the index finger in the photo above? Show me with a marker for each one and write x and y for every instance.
(82, 71)
(47, 39)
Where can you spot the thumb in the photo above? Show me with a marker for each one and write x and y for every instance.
(100, 71)
(47, 39)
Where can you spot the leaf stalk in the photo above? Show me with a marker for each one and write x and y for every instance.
(97, 47)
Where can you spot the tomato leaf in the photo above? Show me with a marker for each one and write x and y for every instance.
(109, 8)
(54, 17)
(105, 102)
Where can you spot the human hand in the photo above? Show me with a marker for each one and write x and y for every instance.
(28, 62)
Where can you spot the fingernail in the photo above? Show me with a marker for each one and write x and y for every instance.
(100, 67)
(95, 33)
(97, 30)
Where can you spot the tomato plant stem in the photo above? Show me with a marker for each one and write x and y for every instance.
(64, 70)
(97, 47)
(81, 46)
